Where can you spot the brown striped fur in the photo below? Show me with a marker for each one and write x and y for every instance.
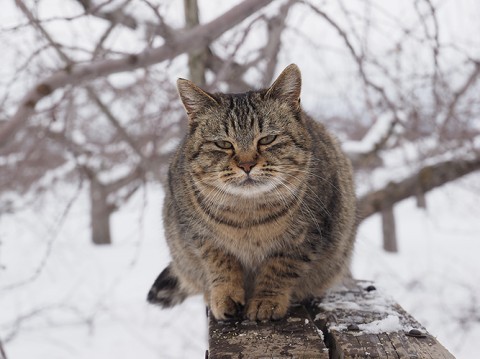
(259, 210)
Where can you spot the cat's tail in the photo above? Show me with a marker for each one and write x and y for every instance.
(166, 290)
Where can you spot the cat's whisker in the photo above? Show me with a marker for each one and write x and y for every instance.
(308, 172)
(318, 200)
(303, 205)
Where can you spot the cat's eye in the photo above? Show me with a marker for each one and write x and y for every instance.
(267, 140)
(225, 145)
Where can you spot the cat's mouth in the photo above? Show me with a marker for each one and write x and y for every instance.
(249, 181)
(249, 187)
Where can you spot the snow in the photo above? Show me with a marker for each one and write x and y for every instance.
(379, 130)
(379, 304)
(62, 297)
(389, 324)
(375, 305)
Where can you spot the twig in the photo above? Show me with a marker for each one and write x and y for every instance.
(359, 60)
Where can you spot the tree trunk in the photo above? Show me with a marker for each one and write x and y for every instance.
(99, 213)
(389, 230)
(420, 196)
(2, 352)
(196, 59)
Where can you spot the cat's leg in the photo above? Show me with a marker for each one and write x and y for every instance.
(225, 294)
(166, 291)
(274, 283)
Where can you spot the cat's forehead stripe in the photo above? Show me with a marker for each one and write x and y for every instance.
(242, 113)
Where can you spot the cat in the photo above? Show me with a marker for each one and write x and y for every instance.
(259, 211)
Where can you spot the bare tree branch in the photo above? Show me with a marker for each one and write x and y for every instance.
(435, 48)
(196, 59)
(117, 16)
(144, 161)
(359, 59)
(230, 71)
(458, 95)
(190, 40)
(276, 26)
(428, 178)
(2, 352)
(235, 71)
(161, 28)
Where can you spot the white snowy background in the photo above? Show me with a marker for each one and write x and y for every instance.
(62, 297)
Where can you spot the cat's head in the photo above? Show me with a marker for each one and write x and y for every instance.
(247, 144)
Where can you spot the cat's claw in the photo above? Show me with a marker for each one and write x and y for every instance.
(227, 304)
(260, 309)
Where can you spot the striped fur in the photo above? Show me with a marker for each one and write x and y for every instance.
(259, 210)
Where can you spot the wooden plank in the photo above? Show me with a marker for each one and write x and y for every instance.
(343, 345)
(390, 350)
(402, 346)
(356, 321)
(293, 337)
(363, 323)
(372, 346)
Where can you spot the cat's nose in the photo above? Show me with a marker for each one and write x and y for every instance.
(247, 165)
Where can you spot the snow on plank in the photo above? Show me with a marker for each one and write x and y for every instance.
(349, 322)
(359, 321)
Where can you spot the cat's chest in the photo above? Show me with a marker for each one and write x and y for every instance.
(251, 231)
(252, 245)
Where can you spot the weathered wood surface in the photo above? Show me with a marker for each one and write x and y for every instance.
(294, 337)
(353, 322)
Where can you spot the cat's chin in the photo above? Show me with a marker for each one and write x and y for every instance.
(250, 188)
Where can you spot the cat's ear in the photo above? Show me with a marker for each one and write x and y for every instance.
(194, 99)
(287, 87)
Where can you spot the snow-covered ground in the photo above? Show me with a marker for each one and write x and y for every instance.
(62, 297)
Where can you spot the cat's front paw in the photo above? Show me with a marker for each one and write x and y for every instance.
(267, 308)
(227, 302)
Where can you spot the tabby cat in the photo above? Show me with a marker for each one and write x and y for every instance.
(260, 208)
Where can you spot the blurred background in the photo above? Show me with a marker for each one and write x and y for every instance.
(89, 117)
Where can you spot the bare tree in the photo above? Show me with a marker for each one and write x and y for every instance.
(196, 59)
(139, 142)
